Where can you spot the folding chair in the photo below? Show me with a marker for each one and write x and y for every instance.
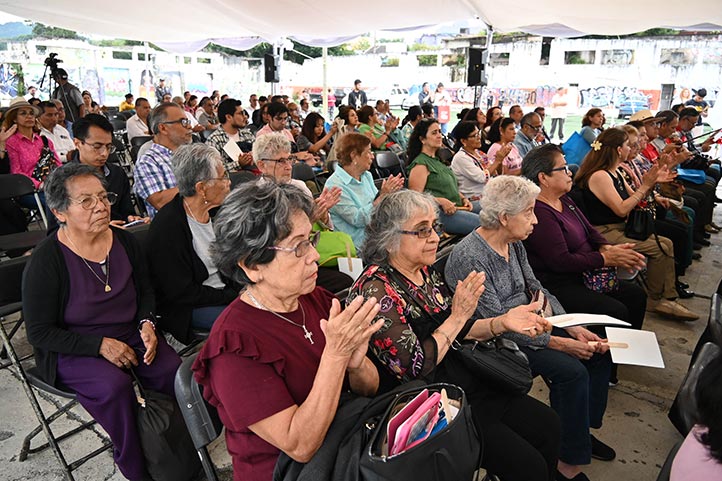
(666, 470)
(30, 379)
(18, 185)
(135, 144)
(240, 177)
(445, 155)
(304, 172)
(11, 277)
(201, 418)
(118, 124)
(388, 163)
(683, 412)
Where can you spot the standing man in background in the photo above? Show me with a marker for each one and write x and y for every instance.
(69, 95)
(558, 113)
(161, 91)
(357, 97)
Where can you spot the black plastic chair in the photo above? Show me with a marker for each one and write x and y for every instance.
(201, 418)
(445, 155)
(31, 380)
(684, 412)
(135, 144)
(388, 163)
(11, 276)
(18, 185)
(666, 470)
(241, 177)
(118, 124)
(304, 172)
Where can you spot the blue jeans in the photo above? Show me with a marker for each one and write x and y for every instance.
(577, 392)
(461, 222)
(204, 317)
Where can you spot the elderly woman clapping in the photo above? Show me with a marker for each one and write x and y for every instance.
(191, 291)
(421, 319)
(88, 307)
(277, 358)
(577, 373)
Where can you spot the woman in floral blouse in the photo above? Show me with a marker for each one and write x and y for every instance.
(422, 319)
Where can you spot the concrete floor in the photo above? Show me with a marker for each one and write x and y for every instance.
(636, 423)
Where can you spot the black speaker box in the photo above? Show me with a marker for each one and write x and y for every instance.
(270, 72)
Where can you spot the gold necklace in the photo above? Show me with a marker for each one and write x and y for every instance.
(107, 263)
(306, 333)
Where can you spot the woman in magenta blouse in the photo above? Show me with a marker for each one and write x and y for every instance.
(564, 244)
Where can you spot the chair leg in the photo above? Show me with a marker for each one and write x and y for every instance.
(207, 464)
(41, 209)
(34, 403)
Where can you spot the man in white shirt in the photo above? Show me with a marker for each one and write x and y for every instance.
(58, 135)
(252, 105)
(137, 125)
(558, 113)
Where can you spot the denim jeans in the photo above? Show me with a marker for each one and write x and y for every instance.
(461, 222)
(204, 317)
(577, 392)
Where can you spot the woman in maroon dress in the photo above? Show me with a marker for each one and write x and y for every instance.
(279, 356)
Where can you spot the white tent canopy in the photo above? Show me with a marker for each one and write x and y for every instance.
(190, 25)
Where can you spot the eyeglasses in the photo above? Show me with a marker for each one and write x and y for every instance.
(224, 177)
(184, 122)
(101, 147)
(537, 128)
(290, 160)
(281, 118)
(425, 232)
(90, 201)
(475, 135)
(302, 248)
(564, 168)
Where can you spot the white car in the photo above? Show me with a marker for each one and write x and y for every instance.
(397, 96)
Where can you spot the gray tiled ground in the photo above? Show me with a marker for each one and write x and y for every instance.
(636, 423)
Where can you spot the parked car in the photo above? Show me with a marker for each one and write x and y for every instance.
(629, 105)
(398, 97)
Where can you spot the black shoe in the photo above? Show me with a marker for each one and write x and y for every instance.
(697, 246)
(682, 285)
(601, 451)
(685, 293)
(578, 477)
(696, 256)
(703, 242)
(707, 235)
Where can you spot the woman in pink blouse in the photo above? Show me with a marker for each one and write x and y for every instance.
(21, 147)
(501, 135)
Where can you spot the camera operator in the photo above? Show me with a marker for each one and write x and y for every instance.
(69, 95)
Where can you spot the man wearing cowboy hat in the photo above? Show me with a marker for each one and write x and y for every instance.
(69, 95)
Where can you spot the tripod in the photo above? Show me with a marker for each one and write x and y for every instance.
(52, 63)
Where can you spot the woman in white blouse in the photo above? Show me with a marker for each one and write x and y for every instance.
(471, 166)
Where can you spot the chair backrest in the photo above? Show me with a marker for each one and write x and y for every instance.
(331, 167)
(240, 177)
(118, 124)
(303, 171)
(388, 163)
(15, 185)
(140, 140)
(686, 399)
(11, 277)
(201, 418)
(445, 155)
(144, 148)
(441, 259)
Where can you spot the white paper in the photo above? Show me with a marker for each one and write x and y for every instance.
(357, 267)
(643, 347)
(233, 150)
(579, 319)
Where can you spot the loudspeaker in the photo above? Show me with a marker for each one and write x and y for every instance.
(475, 74)
(270, 72)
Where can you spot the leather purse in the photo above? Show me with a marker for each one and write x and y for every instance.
(498, 362)
(640, 224)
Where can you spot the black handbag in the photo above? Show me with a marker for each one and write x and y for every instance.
(640, 224)
(167, 447)
(497, 361)
(452, 454)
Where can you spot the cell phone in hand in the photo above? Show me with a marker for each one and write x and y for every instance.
(134, 223)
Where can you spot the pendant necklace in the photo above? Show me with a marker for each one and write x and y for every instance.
(106, 262)
(307, 334)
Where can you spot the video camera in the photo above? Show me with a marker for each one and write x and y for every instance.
(52, 61)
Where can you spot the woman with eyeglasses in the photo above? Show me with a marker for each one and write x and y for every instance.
(358, 192)
(88, 306)
(564, 245)
(278, 358)
(191, 292)
(421, 319)
(23, 150)
(470, 165)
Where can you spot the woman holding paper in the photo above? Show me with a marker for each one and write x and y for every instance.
(576, 372)
(279, 356)
(420, 321)
(564, 245)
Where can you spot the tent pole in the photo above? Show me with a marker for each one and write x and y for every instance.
(324, 97)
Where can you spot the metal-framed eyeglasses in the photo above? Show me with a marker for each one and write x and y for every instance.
(302, 248)
(290, 160)
(425, 232)
(184, 122)
(99, 148)
(89, 202)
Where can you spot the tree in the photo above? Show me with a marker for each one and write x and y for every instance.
(44, 31)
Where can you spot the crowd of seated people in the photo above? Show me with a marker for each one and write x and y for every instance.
(243, 264)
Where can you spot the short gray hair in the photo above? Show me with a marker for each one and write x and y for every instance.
(269, 145)
(505, 194)
(255, 216)
(159, 114)
(57, 103)
(388, 217)
(194, 163)
(56, 185)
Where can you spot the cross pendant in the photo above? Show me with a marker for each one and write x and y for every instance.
(308, 334)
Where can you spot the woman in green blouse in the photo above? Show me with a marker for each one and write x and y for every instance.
(428, 174)
(381, 135)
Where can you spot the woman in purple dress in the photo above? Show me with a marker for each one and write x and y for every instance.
(88, 307)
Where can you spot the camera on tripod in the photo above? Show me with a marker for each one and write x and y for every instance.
(52, 61)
